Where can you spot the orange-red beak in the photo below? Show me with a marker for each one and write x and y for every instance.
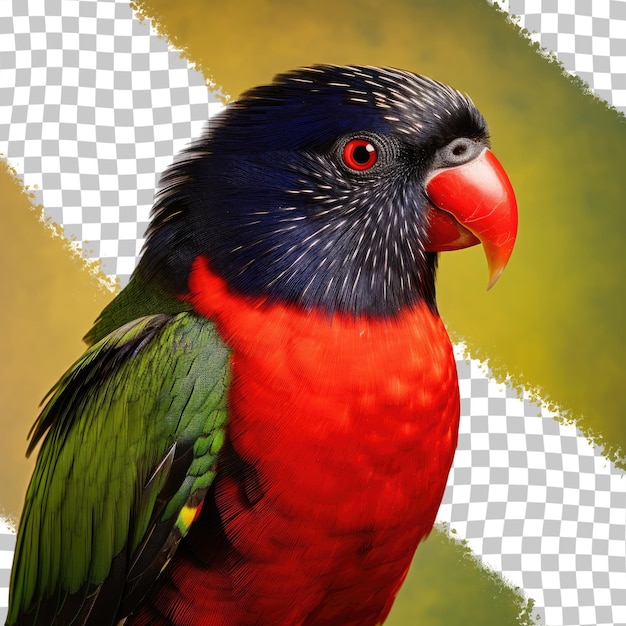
(473, 203)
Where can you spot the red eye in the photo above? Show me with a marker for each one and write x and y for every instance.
(359, 154)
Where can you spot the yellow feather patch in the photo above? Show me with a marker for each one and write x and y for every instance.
(186, 518)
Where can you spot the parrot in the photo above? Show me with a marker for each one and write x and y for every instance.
(261, 428)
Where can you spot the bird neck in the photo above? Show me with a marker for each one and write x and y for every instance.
(211, 297)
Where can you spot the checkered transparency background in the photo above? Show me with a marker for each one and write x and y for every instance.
(93, 106)
(587, 36)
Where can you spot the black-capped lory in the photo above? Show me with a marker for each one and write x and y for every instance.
(261, 430)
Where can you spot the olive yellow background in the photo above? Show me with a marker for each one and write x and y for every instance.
(554, 321)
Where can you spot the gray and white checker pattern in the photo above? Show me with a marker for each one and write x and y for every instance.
(96, 106)
(538, 503)
(93, 105)
(588, 37)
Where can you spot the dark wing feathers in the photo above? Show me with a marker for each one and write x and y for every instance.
(133, 432)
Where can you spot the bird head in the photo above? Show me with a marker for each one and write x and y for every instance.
(335, 188)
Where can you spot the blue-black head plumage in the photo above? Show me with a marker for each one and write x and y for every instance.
(310, 190)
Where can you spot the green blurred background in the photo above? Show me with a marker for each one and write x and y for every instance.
(554, 321)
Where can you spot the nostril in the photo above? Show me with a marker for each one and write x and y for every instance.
(458, 152)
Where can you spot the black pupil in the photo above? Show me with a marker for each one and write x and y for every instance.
(361, 154)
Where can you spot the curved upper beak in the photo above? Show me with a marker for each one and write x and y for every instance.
(473, 203)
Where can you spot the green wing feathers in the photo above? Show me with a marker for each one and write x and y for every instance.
(133, 432)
